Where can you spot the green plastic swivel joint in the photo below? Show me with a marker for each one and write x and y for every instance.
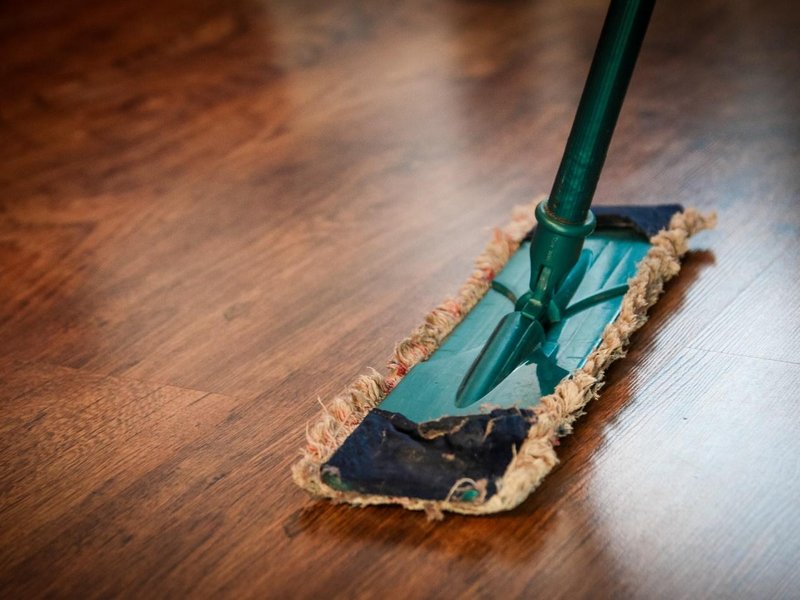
(556, 273)
(555, 249)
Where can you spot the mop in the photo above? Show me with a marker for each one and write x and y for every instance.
(467, 417)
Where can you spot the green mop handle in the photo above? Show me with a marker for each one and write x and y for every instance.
(611, 70)
(565, 219)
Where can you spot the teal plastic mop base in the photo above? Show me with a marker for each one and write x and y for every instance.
(428, 391)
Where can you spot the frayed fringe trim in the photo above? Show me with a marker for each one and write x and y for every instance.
(555, 413)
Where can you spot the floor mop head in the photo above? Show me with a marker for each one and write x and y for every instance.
(402, 437)
(475, 399)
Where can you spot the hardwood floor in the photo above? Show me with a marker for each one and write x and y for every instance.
(214, 213)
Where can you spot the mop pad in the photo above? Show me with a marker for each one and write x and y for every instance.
(493, 459)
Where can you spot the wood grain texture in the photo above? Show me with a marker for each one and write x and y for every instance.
(214, 213)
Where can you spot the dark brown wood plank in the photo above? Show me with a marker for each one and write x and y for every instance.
(214, 213)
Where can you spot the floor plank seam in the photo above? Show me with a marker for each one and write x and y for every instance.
(750, 356)
(126, 378)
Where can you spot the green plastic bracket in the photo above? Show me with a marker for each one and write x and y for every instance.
(556, 272)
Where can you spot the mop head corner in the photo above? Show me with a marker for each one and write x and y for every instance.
(550, 420)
